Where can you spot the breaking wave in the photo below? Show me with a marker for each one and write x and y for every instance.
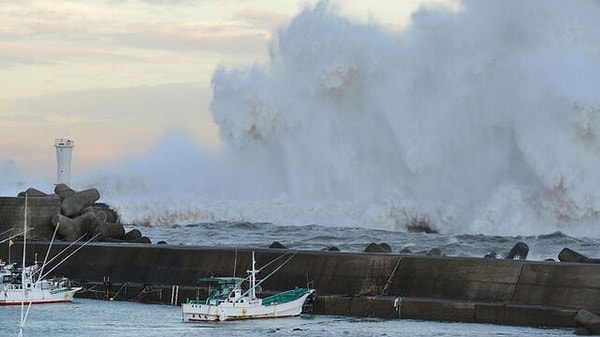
(482, 120)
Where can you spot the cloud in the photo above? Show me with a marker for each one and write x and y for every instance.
(165, 103)
(107, 124)
(153, 2)
(42, 32)
(168, 2)
(225, 38)
(262, 18)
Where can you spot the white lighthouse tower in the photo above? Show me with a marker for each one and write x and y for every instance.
(64, 150)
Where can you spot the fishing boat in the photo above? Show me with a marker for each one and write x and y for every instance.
(229, 301)
(23, 285)
(20, 285)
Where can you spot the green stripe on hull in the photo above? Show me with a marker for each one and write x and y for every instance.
(284, 297)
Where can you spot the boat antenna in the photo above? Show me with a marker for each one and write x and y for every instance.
(252, 276)
(253, 273)
(69, 246)
(235, 262)
(47, 253)
(270, 263)
(11, 237)
(22, 324)
(72, 253)
(6, 232)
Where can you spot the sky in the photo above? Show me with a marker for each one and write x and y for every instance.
(116, 75)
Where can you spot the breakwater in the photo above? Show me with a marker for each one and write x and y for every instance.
(513, 292)
(66, 213)
(378, 283)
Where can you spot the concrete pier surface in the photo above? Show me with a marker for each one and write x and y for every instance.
(512, 292)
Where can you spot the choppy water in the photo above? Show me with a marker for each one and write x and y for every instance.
(86, 318)
(355, 239)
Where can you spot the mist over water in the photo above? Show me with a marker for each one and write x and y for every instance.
(482, 120)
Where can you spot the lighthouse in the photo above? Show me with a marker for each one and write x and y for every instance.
(64, 150)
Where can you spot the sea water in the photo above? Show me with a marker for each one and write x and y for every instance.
(355, 239)
(94, 318)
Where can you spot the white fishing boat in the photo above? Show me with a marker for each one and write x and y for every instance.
(229, 301)
(23, 285)
(26, 285)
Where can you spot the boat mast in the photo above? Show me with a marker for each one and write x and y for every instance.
(253, 278)
(254, 271)
(22, 325)
(24, 246)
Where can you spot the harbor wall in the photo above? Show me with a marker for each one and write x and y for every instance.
(359, 284)
(40, 211)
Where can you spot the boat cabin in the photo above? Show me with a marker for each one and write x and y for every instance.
(226, 289)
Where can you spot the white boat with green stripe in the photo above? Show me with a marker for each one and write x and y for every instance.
(229, 301)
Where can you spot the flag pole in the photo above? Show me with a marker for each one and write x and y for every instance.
(10, 244)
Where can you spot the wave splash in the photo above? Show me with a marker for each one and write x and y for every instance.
(482, 120)
(485, 120)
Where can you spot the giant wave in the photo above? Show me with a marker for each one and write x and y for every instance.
(482, 120)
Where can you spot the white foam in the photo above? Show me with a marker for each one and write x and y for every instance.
(484, 120)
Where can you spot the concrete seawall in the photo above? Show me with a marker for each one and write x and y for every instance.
(39, 215)
(358, 284)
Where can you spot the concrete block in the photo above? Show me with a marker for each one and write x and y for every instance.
(477, 280)
(76, 202)
(533, 315)
(359, 306)
(39, 215)
(437, 310)
(558, 284)
(589, 321)
(490, 313)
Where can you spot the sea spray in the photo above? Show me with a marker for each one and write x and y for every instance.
(482, 120)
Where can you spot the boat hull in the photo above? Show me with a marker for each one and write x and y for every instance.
(195, 312)
(36, 296)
